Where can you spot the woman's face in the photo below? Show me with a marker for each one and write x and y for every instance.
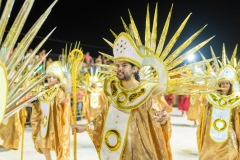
(52, 79)
(225, 85)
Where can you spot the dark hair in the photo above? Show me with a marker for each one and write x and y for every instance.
(136, 74)
(230, 91)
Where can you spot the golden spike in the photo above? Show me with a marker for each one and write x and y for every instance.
(28, 38)
(180, 70)
(185, 55)
(224, 59)
(233, 58)
(164, 33)
(215, 61)
(4, 19)
(11, 109)
(135, 31)
(221, 65)
(147, 31)
(114, 34)
(174, 39)
(238, 66)
(202, 55)
(183, 46)
(125, 26)
(13, 90)
(16, 28)
(154, 29)
(108, 42)
(107, 55)
(34, 51)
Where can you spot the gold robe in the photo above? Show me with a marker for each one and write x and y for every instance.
(58, 134)
(11, 132)
(146, 138)
(91, 112)
(228, 150)
(194, 108)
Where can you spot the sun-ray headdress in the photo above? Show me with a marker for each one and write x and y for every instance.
(10, 57)
(227, 69)
(156, 62)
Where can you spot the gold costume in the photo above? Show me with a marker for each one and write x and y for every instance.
(227, 150)
(146, 139)
(194, 108)
(94, 103)
(58, 134)
(10, 132)
(218, 134)
(50, 118)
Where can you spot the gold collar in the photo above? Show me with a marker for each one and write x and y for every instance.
(127, 99)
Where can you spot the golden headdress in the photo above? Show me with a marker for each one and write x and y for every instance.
(156, 62)
(10, 57)
(227, 69)
(56, 69)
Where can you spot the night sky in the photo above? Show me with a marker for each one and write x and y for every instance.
(89, 21)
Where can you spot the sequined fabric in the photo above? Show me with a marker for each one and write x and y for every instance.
(58, 135)
(11, 133)
(146, 139)
(228, 150)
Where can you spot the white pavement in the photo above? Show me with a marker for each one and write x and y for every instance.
(183, 143)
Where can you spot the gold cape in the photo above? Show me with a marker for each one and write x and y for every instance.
(58, 135)
(92, 112)
(228, 150)
(194, 108)
(11, 132)
(146, 138)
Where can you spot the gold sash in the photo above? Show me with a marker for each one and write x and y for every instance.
(45, 102)
(222, 106)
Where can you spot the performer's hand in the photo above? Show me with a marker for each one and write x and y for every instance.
(161, 116)
(78, 129)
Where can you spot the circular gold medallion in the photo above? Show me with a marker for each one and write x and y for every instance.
(112, 140)
(222, 102)
(220, 125)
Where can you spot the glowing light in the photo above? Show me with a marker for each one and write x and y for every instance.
(191, 57)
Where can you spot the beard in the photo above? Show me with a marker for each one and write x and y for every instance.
(123, 76)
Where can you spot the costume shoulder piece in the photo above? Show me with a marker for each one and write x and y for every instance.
(224, 102)
(127, 99)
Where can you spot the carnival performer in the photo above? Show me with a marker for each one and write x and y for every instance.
(194, 108)
(133, 125)
(219, 129)
(51, 116)
(96, 98)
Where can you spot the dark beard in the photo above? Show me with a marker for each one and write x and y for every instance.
(125, 77)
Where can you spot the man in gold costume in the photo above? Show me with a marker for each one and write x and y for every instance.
(219, 129)
(134, 125)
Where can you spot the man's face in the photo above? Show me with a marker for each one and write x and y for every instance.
(124, 70)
